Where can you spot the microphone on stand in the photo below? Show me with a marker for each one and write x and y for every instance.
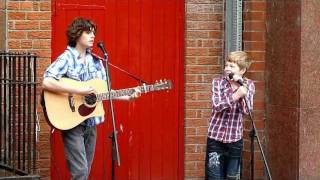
(240, 81)
(101, 46)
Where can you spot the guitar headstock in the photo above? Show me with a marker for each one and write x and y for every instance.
(162, 85)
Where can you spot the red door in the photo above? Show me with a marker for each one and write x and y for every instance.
(146, 38)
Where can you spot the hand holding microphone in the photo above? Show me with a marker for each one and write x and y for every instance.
(242, 90)
(236, 78)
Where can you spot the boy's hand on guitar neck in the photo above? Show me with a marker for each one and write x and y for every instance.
(135, 95)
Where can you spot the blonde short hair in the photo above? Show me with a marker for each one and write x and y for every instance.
(241, 58)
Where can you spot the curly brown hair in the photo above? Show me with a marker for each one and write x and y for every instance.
(77, 27)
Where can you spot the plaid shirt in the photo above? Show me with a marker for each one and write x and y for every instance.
(67, 65)
(226, 123)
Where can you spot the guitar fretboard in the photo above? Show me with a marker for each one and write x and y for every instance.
(123, 92)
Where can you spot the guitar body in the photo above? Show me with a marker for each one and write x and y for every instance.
(59, 108)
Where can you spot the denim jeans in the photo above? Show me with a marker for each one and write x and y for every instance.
(223, 160)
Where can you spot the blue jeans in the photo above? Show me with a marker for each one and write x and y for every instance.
(223, 160)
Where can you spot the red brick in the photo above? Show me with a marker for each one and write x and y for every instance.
(191, 113)
(211, 43)
(204, 95)
(197, 51)
(13, 5)
(42, 53)
(191, 43)
(26, 25)
(190, 165)
(202, 131)
(45, 25)
(255, 6)
(203, 17)
(191, 78)
(212, 60)
(39, 35)
(38, 16)
(215, 34)
(197, 87)
(43, 163)
(254, 36)
(258, 66)
(2, 4)
(197, 34)
(190, 131)
(203, 69)
(254, 16)
(196, 122)
(194, 173)
(254, 26)
(256, 76)
(42, 44)
(195, 157)
(200, 8)
(17, 35)
(26, 44)
(257, 56)
(14, 44)
(254, 46)
(16, 15)
(26, 5)
(190, 148)
(45, 6)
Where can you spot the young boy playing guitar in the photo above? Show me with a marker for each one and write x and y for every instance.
(77, 63)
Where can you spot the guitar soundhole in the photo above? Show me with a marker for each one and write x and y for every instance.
(90, 99)
(84, 110)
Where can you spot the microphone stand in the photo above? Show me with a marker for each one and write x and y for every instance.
(114, 139)
(254, 133)
(115, 147)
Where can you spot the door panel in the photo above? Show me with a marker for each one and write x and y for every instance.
(145, 38)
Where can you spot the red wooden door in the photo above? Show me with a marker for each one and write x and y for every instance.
(146, 38)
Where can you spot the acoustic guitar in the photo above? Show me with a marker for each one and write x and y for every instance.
(65, 111)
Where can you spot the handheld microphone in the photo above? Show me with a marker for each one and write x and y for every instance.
(101, 46)
(240, 81)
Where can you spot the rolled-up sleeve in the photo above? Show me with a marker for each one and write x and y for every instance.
(57, 69)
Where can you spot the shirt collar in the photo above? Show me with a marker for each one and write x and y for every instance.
(75, 52)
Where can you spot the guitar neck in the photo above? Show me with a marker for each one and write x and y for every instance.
(123, 92)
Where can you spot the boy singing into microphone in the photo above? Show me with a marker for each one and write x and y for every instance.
(225, 131)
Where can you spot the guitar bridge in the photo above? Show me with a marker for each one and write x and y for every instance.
(71, 103)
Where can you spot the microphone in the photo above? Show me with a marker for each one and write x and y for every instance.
(101, 46)
(240, 81)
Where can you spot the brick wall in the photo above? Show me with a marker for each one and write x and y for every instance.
(204, 47)
(29, 30)
(204, 42)
(3, 26)
(254, 39)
